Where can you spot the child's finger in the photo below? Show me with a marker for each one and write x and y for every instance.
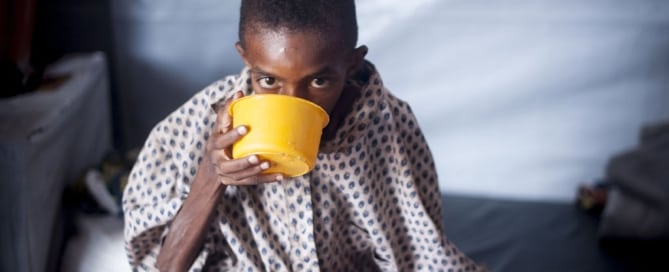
(225, 140)
(223, 118)
(235, 168)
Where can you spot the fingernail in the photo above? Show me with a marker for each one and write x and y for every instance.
(264, 165)
(253, 159)
(241, 130)
(279, 178)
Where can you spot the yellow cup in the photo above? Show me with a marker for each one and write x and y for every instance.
(284, 130)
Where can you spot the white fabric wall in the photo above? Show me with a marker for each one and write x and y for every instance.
(524, 99)
(518, 99)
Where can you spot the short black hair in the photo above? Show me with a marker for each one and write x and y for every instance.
(324, 17)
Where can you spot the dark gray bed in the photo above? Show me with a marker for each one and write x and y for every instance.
(538, 236)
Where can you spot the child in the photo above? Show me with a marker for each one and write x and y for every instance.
(371, 203)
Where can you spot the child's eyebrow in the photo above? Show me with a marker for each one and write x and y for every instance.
(322, 71)
(259, 71)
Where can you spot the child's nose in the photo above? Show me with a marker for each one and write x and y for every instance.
(294, 90)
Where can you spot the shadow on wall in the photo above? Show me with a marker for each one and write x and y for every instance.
(166, 52)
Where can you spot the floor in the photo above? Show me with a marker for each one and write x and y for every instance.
(98, 245)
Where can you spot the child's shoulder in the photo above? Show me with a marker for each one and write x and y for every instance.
(376, 97)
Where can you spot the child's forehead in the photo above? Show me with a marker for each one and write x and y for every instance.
(269, 39)
(297, 52)
(330, 35)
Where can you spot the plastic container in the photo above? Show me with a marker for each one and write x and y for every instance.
(284, 130)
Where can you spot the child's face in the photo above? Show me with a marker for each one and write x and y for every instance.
(300, 64)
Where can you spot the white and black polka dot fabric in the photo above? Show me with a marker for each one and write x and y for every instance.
(370, 204)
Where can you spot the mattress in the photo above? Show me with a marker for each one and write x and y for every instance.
(512, 235)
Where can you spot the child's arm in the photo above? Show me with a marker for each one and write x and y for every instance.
(187, 231)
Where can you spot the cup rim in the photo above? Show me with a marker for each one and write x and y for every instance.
(324, 114)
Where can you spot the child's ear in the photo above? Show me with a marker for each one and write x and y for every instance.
(357, 59)
(242, 53)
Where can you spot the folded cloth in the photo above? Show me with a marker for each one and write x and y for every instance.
(638, 201)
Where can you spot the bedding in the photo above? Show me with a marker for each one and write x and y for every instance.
(512, 235)
(47, 138)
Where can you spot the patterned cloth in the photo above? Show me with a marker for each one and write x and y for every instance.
(370, 204)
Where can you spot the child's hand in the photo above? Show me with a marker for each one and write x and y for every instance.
(242, 171)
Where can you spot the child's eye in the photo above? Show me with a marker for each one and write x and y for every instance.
(267, 82)
(319, 83)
